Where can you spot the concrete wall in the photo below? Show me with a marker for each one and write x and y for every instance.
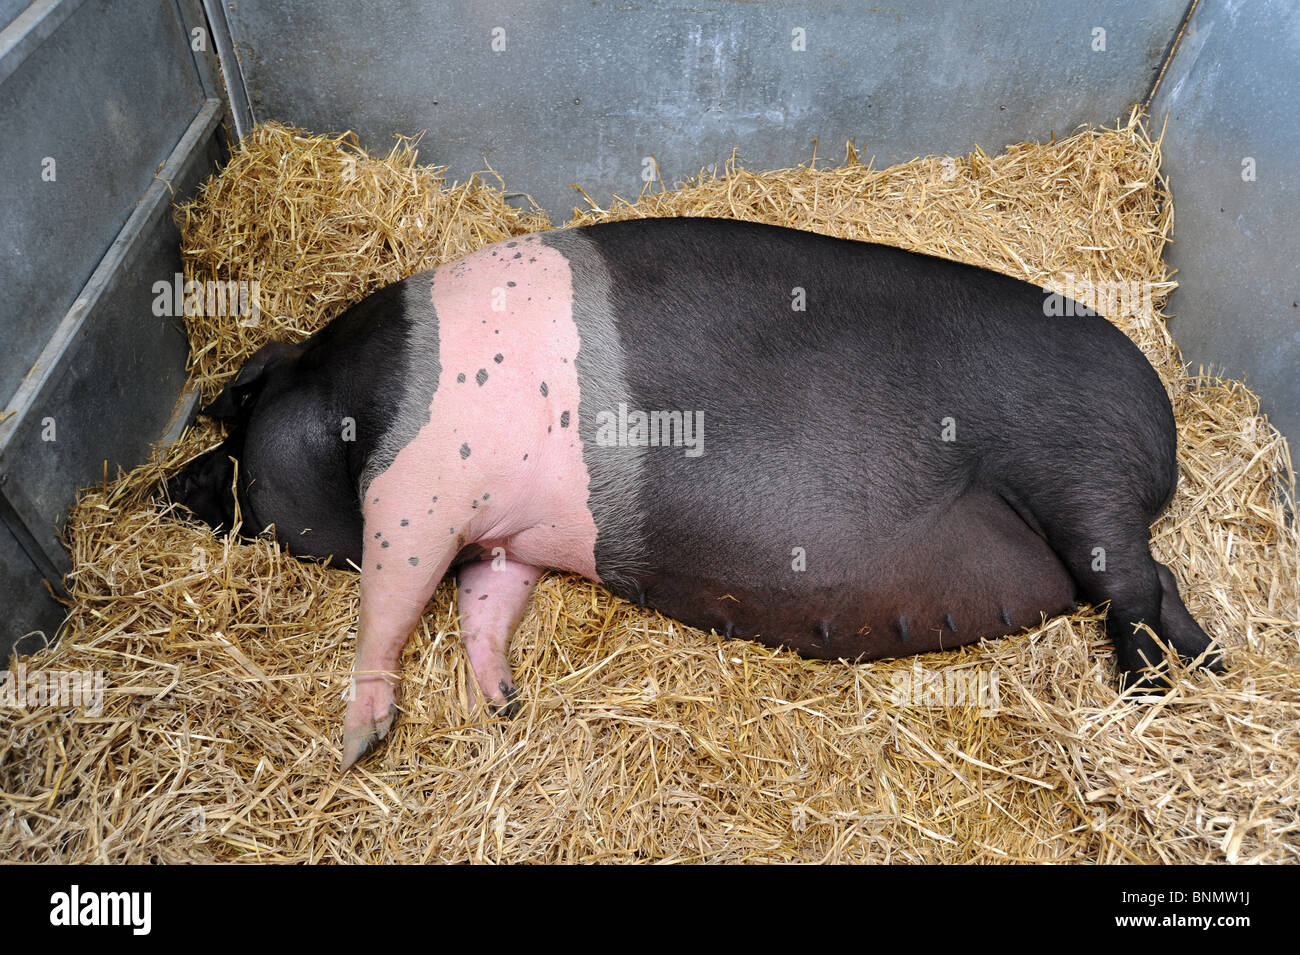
(582, 90)
(1231, 149)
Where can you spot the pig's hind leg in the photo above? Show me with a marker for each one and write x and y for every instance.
(493, 595)
(1101, 535)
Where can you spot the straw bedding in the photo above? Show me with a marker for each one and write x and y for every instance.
(226, 663)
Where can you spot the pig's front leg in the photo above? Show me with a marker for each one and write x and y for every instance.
(390, 611)
(407, 548)
(493, 597)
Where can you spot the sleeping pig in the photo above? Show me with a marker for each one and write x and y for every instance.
(843, 448)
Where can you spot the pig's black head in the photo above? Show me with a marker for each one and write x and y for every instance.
(206, 486)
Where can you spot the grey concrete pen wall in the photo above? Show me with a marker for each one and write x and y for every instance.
(1231, 151)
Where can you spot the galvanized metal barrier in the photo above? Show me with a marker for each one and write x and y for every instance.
(110, 112)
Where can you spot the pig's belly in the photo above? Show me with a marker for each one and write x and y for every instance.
(974, 571)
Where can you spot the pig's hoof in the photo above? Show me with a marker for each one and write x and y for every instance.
(361, 742)
(510, 708)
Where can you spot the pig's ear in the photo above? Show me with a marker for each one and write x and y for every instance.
(251, 378)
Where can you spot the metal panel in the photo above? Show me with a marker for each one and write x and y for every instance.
(28, 29)
(106, 95)
(1230, 96)
(9, 10)
(105, 385)
(26, 609)
(236, 94)
(585, 89)
(126, 98)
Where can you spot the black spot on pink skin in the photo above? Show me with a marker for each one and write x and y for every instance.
(460, 379)
(378, 535)
(510, 284)
(517, 255)
(485, 495)
(468, 591)
(473, 503)
(548, 429)
(545, 390)
(511, 245)
(405, 522)
(379, 566)
(481, 376)
(375, 501)
(532, 260)
(564, 419)
(485, 597)
(384, 544)
(429, 511)
(451, 530)
(498, 358)
(435, 499)
(525, 457)
(464, 451)
(413, 561)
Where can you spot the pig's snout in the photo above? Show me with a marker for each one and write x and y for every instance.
(204, 487)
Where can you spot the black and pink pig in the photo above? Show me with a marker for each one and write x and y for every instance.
(839, 447)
